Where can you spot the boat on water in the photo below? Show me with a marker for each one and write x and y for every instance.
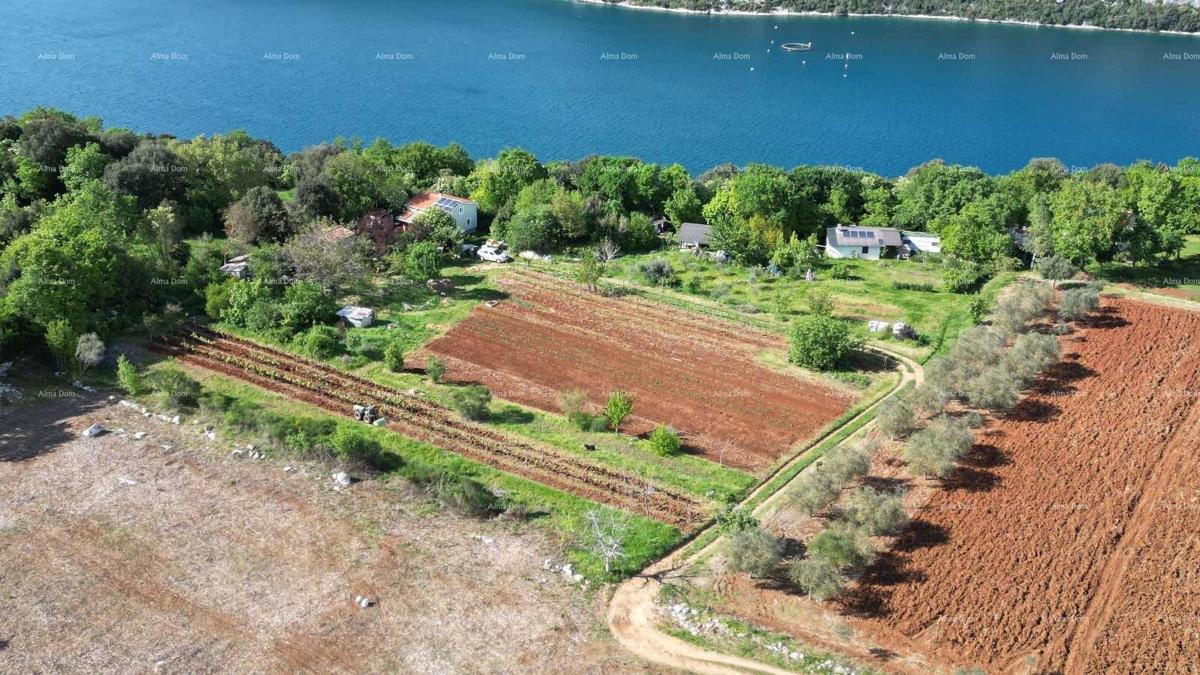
(796, 46)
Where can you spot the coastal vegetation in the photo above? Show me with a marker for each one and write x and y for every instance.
(1123, 14)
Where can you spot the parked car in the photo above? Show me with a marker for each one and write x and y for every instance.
(494, 251)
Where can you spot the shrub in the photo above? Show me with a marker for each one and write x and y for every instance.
(464, 496)
(839, 270)
(753, 551)
(896, 418)
(62, 339)
(960, 279)
(393, 356)
(177, 389)
(435, 369)
(618, 407)
(128, 377)
(657, 273)
(733, 518)
(930, 397)
(472, 401)
(842, 548)
(1055, 268)
(573, 404)
(933, 451)
(913, 286)
(353, 445)
(997, 388)
(89, 351)
(216, 298)
(305, 304)
(819, 301)
(877, 512)
(819, 579)
(665, 441)
(320, 342)
(1077, 303)
(978, 308)
(421, 261)
(820, 342)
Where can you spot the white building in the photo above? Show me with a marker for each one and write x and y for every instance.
(853, 241)
(359, 317)
(920, 242)
(464, 211)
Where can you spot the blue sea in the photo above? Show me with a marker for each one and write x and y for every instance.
(566, 80)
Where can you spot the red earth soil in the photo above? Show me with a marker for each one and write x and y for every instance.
(1068, 541)
(694, 373)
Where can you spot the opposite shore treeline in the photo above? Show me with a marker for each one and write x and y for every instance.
(1119, 14)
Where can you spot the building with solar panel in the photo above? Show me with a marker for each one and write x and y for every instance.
(464, 211)
(873, 243)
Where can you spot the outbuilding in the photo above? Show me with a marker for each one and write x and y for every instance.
(359, 317)
(694, 235)
(464, 211)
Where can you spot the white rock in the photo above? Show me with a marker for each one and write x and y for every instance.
(175, 419)
(341, 478)
(365, 602)
(139, 435)
(379, 422)
(249, 446)
(93, 431)
(212, 435)
(127, 404)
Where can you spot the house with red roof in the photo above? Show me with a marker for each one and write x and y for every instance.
(464, 211)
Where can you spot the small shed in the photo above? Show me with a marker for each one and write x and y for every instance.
(694, 235)
(662, 225)
(238, 267)
(359, 317)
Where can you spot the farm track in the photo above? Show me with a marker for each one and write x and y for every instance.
(411, 416)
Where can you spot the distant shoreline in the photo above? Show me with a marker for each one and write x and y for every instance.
(934, 17)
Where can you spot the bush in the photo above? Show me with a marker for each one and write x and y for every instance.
(1055, 268)
(435, 369)
(912, 286)
(1077, 303)
(819, 579)
(820, 342)
(89, 351)
(819, 301)
(393, 356)
(618, 407)
(877, 512)
(933, 451)
(128, 377)
(842, 548)
(320, 342)
(573, 404)
(177, 389)
(960, 279)
(733, 518)
(753, 551)
(305, 304)
(421, 261)
(665, 441)
(464, 496)
(978, 308)
(353, 445)
(62, 339)
(896, 418)
(657, 273)
(929, 397)
(472, 401)
(839, 270)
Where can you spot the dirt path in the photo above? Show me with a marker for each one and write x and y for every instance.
(631, 611)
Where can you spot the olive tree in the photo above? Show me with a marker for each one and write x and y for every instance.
(844, 548)
(1031, 354)
(896, 418)
(932, 451)
(89, 351)
(818, 578)
(997, 388)
(753, 551)
(1077, 303)
(1055, 268)
(877, 512)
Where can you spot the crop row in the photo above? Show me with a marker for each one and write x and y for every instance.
(337, 391)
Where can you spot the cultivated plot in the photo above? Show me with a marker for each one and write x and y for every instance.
(695, 373)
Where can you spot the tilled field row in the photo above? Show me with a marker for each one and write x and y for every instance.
(414, 417)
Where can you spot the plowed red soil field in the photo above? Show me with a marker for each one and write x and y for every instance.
(695, 373)
(1069, 542)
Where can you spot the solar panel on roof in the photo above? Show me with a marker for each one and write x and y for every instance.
(853, 233)
(869, 234)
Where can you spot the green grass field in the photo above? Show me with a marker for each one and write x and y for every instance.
(1173, 278)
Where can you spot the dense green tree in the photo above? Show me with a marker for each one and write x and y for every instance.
(1087, 217)
(259, 216)
(152, 173)
(422, 261)
(935, 190)
(532, 230)
(820, 342)
(83, 164)
(501, 179)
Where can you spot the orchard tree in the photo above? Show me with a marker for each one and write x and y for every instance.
(1055, 269)
(752, 551)
(933, 451)
(1087, 217)
(820, 342)
(617, 408)
(877, 512)
(818, 578)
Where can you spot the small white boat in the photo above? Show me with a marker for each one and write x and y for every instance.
(796, 46)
